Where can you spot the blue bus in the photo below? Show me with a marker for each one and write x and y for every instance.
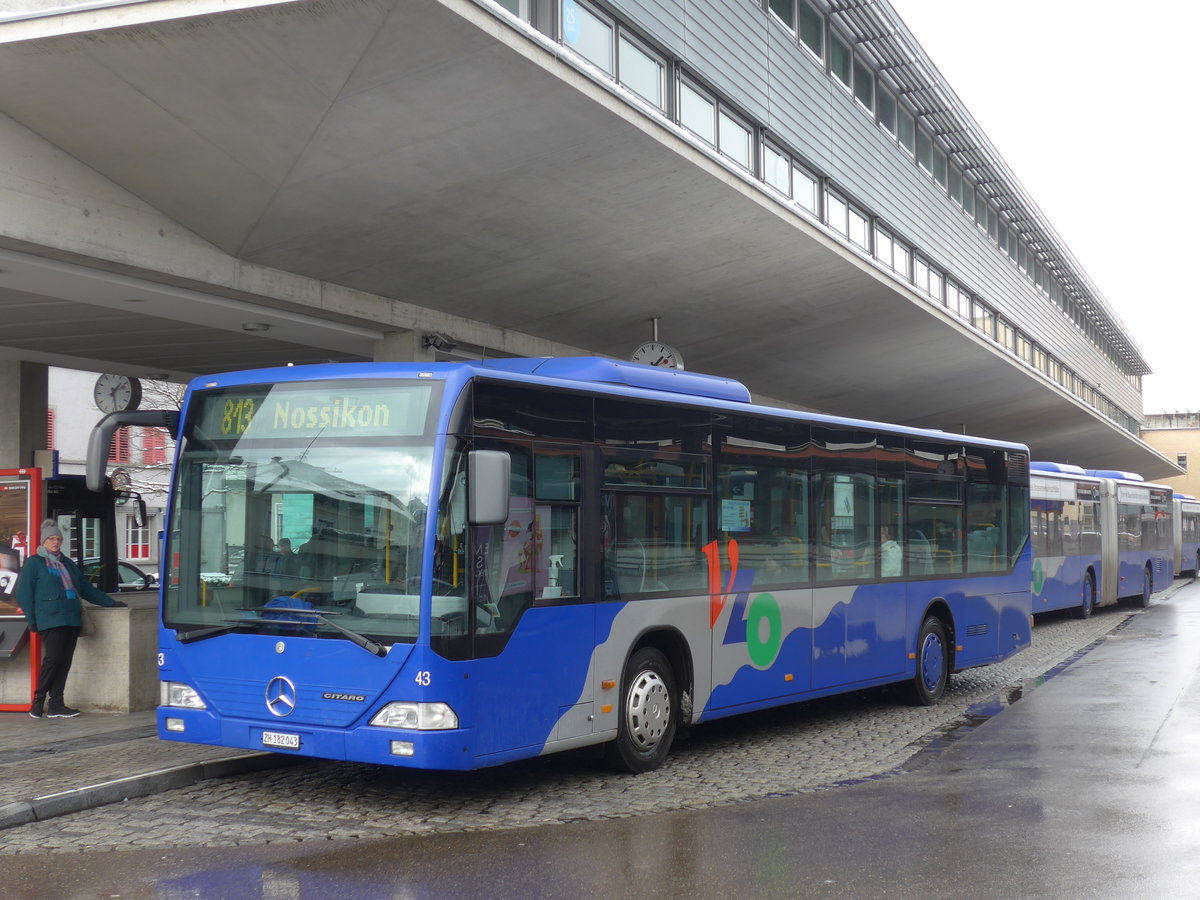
(1186, 524)
(1099, 537)
(1065, 529)
(1140, 539)
(452, 566)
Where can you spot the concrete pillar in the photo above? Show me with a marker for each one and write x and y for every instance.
(403, 346)
(23, 404)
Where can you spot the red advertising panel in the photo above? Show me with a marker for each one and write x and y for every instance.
(21, 507)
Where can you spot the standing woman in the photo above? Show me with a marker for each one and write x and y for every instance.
(49, 590)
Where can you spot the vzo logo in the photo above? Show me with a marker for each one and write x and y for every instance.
(757, 623)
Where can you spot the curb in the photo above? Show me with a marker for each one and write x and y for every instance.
(26, 812)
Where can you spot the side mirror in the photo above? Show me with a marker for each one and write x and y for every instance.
(139, 511)
(101, 437)
(488, 473)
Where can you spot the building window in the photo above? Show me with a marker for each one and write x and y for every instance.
(734, 139)
(968, 198)
(804, 189)
(984, 319)
(698, 113)
(641, 71)
(154, 447)
(859, 229)
(137, 540)
(519, 8)
(119, 451)
(958, 299)
(901, 255)
(864, 86)
(1181, 459)
(835, 213)
(925, 150)
(939, 166)
(908, 131)
(935, 285)
(784, 10)
(886, 103)
(883, 247)
(840, 60)
(811, 29)
(777, 170)
(955, 184)
(1006, 334)
(921, 274)
(588, 34)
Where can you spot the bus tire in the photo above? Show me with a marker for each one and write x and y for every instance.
(649, 713)
(933, 664)
(1143, 600)
(1087, 600)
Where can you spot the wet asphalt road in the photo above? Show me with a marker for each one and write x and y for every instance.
(1086, 787)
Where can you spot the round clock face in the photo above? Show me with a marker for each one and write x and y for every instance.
(114, 393)
(656, 353)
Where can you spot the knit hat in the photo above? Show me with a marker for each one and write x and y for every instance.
(50, 529)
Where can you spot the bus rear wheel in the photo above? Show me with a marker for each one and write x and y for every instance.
(933, 664)
(1143, 601)
(649, 713)
(1087, 599)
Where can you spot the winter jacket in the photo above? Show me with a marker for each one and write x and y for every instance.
(40, 593)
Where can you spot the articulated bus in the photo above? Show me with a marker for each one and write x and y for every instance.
(1187, 534)
(1064, 527)
(1099, 537)
(492, 561)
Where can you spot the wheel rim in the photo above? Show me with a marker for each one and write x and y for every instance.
(1147, 586)
(1089, 592)
(933, 662)
(648, 712)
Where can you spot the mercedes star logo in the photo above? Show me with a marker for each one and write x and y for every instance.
(281, 696)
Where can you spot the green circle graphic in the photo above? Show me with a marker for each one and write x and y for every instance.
(764, 650)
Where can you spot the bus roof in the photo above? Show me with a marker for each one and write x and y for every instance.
(1056, 468)
(605, 375)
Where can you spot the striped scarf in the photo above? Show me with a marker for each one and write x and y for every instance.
(54, 564)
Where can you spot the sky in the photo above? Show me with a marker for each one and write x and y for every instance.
(1091, 107)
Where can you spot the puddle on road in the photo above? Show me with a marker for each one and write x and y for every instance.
(982, 712)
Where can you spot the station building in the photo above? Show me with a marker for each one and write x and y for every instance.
(785, 192)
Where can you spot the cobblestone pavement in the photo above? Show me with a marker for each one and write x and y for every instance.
(800, 748)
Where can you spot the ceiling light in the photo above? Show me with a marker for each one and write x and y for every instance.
(255, 326)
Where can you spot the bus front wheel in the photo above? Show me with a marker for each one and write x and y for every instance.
(933, 664)
(1087, 599)
(649, 712)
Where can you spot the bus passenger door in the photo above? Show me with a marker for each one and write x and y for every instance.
(534, 634)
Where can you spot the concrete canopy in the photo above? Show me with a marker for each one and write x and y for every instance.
(428, 154)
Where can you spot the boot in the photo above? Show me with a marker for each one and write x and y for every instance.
(39, 700)
(60, 710)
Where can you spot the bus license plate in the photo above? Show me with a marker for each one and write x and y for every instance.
(281, 739)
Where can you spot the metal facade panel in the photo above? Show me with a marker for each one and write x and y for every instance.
(665, 22)
(727, 45)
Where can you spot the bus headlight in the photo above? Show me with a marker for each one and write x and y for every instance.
(172, 693)
(417, 716)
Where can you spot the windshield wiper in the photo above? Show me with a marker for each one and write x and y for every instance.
(186, 637)
(366, 643)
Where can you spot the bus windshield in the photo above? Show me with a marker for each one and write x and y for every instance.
(296, 497)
